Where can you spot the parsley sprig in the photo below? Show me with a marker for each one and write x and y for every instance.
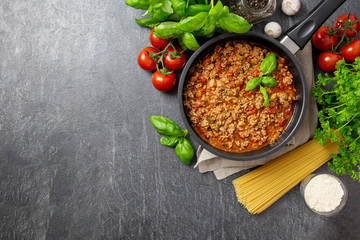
(339, 116)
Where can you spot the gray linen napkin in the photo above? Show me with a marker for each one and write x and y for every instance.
(222, 168)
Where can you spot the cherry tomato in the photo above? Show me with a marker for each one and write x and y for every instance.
(163, 82)
(323, 41)
(174, 62)
(349, 32)
(144, 60)
(157, 42)
(351, 51)
(327, 61)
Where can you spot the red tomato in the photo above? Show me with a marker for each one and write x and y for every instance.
(163, 82)
(144, 60)
(349, 32)
(323, 41)
(157, 42)
(351, 51)
(174, 62)
(327, 61)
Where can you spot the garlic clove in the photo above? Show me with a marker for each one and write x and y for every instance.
(273, 29)
(290, 7)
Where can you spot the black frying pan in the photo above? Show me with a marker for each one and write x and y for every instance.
(294, 39)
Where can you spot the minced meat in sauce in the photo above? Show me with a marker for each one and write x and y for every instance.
(227, 116)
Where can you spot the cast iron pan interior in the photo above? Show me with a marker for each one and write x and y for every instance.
(298, 77)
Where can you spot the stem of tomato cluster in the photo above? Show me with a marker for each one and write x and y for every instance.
(345, 25)
(162, 54)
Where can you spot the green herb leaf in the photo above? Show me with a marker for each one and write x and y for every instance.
(166, 7)
(147, 22)
(189, 41)
(234, 23)
(217, 10)
(182, 45)
(192, 10)
(170, 141)
(268, 64)
(268, 81)
(208, 29)
(225, 10)
(160, 14)
(166, 126)
(179, 7)
(138, 4)
(193, 23)
(252, 83)
(167, 30)
(184, 151)
(202, 2)
(265, 95)
(174, 17)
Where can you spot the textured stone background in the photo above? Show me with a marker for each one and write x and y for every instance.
(78, 156)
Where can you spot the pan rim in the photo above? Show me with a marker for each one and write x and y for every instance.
(252, 155)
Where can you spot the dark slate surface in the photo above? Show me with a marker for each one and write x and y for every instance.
(78, 156)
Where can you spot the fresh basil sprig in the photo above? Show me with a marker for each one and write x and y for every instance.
(173, 137)
(267, 66)
(187, 20)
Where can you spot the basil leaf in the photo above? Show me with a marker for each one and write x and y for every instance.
(234, 23)
(179, 7)
(165, 126)
(160, 14)
(208, 29)
(192, 10)
(216, 11)
(202, 2)
(174, 17)
(265, 95)
(166, 7)
(184, 151)
(138, 4)
(193, 23)
(169, 141)
(147, 22)
(252, 83)
(225, 10)
(160, 9)
(182, 45)
(189, 41)
(192, 2)
(268, 64)
(166, 30)
(268, 81)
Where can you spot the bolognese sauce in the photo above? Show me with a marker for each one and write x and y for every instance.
(227, 116)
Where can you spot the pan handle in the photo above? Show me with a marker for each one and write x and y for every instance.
(297, 36)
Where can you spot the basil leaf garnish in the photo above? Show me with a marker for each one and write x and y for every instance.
(252, 83)
(268, 64)
(265, 95)
(268, 81)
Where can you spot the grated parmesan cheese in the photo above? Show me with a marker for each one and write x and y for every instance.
(323, 193)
